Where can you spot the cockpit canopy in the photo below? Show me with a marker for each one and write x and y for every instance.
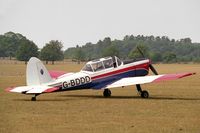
(101, 64)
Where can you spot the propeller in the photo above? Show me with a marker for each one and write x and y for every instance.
(140, 52)
(150, 65)
(153, 69)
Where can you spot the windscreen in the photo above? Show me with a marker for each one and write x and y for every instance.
(97, 66)
(108, 63)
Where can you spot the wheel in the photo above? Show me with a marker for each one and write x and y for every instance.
(107, 93)
(144, 94)
(33, 99)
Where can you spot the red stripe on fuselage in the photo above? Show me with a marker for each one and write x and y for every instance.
(123, 70)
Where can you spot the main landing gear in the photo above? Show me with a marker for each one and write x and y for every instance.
(107, 93)
(34, 97)
(143, 93)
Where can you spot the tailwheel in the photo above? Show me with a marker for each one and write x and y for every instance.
(107, 93)
(33, 98)
(144, 94)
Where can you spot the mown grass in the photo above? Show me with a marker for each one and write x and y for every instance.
(173, 106)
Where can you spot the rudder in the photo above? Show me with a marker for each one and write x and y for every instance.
(36, 72)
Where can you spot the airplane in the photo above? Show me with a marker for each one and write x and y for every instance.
(103, 73)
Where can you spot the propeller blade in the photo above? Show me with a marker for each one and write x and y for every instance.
(150, 65)
(153, 69)
(141, 52)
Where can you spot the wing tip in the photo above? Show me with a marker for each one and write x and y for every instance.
(193, 73)
(9, 89)
(174, 76)
(187, 74)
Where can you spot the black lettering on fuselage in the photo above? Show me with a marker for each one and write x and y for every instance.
(87, 78)
(65, 84)
(72, 83)
(82, 80)
(76, 82)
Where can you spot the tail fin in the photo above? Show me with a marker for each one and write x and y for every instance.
(36, 72)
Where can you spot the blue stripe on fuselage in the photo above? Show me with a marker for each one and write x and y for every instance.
(102, 82)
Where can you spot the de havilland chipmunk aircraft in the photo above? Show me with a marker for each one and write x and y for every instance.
(103, 73)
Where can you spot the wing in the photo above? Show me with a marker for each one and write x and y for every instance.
(32, 89)
(146, 79)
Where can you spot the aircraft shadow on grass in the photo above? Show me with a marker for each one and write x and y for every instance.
(50, 100)
(131, 97)
(79, 97)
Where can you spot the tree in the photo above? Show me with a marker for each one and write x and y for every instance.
(9, 44)
(136, 54)
(2, 47)
(186, 40)
(184, 49)
(79, 55)
(156, 57)
(27, 49)
(169, 57)
(70, 53)
(111, 51)
(52, 51)
(107, 41)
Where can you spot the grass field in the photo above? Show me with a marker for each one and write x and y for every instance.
(173, 106)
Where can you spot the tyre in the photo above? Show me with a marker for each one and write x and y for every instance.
(144, 94)
(107, 93)
(33, 99)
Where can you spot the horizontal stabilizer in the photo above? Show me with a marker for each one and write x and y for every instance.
(35, 89)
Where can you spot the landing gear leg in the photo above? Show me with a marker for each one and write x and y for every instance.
(107, 93)
(34, 97)
(142, 93)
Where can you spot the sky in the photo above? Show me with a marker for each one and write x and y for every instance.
(76, 22)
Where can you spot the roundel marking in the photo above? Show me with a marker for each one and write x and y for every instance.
(41, 71)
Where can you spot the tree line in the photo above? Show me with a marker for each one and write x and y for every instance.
(18, 46)
(158, 49)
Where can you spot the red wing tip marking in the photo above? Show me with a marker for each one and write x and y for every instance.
(9, 89)
(56, 74)
(173, 76)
